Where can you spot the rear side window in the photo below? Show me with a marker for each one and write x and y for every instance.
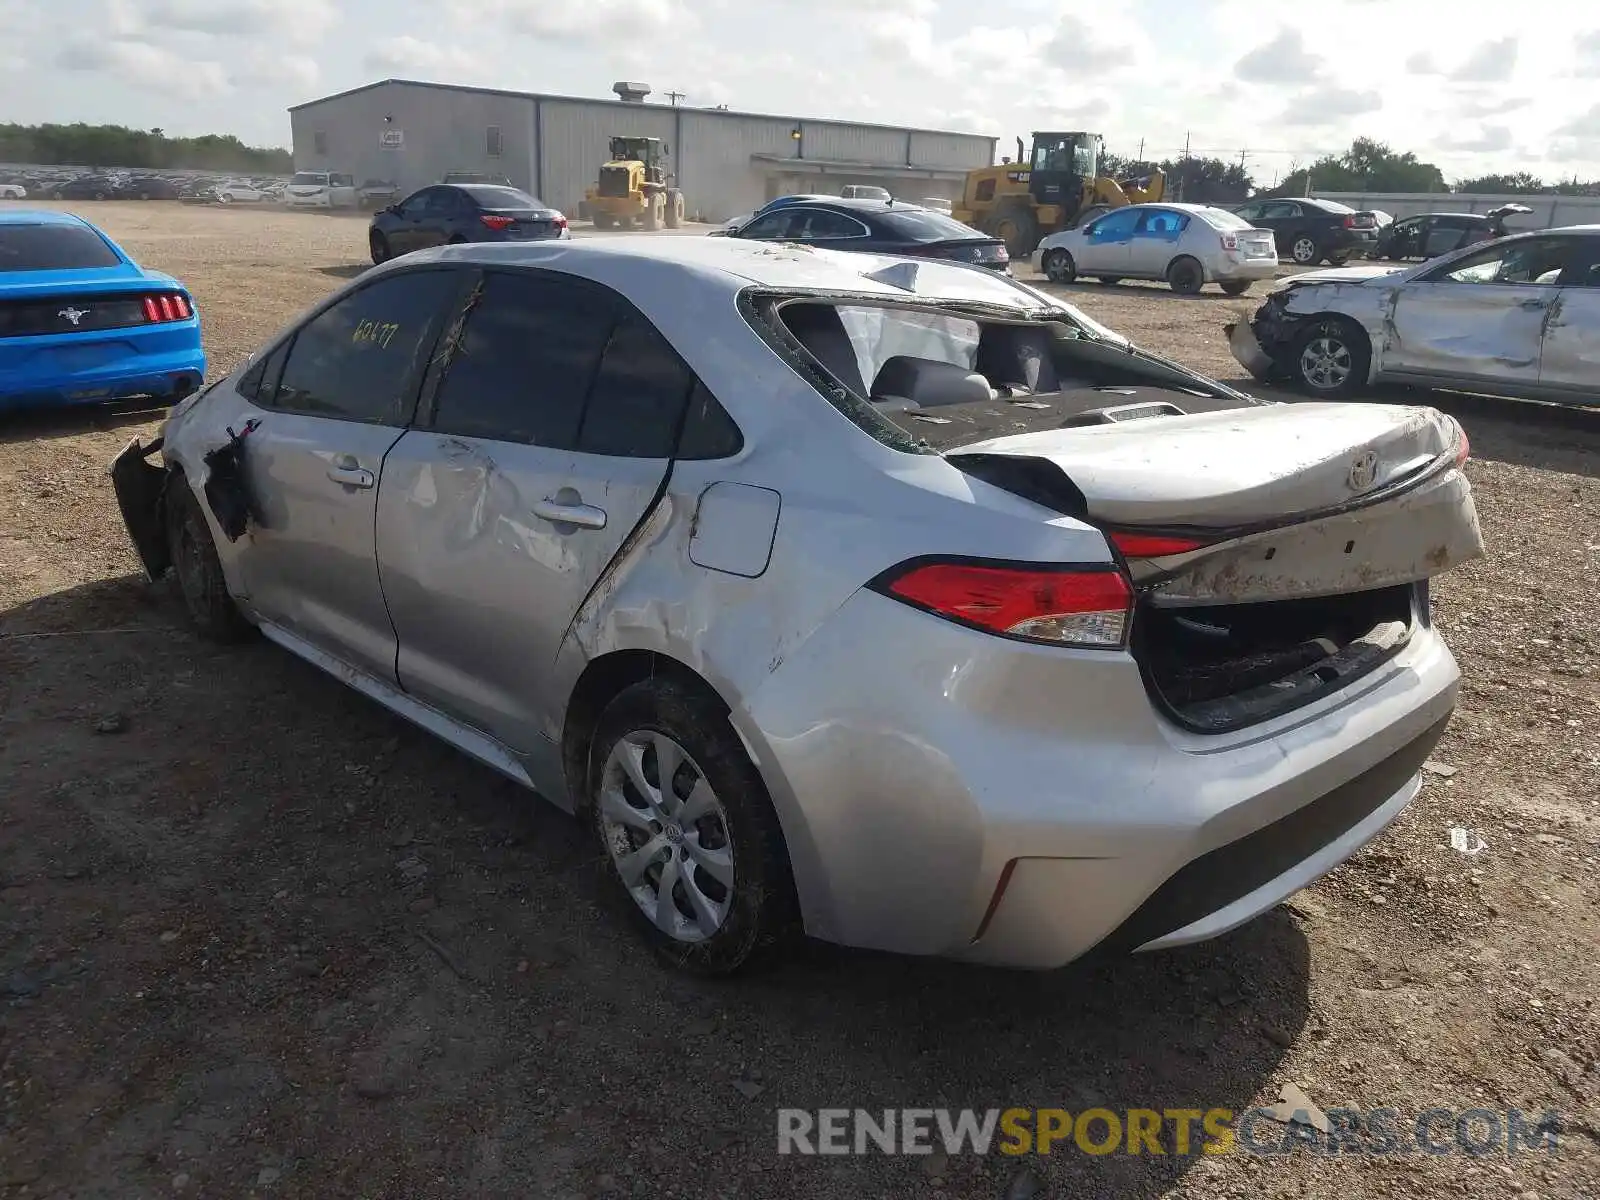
(922, 225)
(1221, 218)
(638, 397)
(357, 361)
(53, 248)
(524, 361)
(260, 383)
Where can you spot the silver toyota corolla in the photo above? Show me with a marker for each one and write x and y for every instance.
(896, 602)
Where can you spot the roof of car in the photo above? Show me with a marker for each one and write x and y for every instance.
(860, 204)
(38, 216)
(728, 265)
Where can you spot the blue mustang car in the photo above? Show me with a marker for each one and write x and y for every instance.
(80, 321)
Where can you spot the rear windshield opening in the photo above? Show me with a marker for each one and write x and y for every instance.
(933, 379)
(489, 195)
(925, 226)
(53, 248)
(1222, 667)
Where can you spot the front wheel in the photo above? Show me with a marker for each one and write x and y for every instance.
(194, 559)
(675, 211)
(688, 837)
(604, 221)
(379, 245)
(1059, 267)
(1111, 280)
(1235, 287)
(1186, 276)
(1331, 358)
(1304, 250)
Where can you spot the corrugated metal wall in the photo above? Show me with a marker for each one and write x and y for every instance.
(555, 146)
(719, 180)
(577, 140)
(440, 131)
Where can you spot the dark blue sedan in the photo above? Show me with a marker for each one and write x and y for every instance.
(875, 226)
(462, 212)
(80, 321)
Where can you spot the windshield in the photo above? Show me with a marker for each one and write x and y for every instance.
(1334, 206)
(923, 225)
(310, 179)
(489, 196)
(53, 248)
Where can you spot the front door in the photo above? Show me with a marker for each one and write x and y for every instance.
(412, 231)
(1108, 243)
(547, 440)
(328, 415)
(1480, 316)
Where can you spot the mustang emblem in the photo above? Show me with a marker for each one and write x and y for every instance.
(1363, 471)
(73, 314)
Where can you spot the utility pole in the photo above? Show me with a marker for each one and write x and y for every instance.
(675, 97)
(1141, 150)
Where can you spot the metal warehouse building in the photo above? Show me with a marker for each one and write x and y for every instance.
(727, 163)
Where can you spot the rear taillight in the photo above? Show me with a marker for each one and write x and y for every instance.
(1147, 545)
(559, 220)
(166, 306)
(1085, 606)
(1463, 446)
(1230, 242)
(498, 223)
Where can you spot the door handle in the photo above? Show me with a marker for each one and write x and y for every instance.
(1531, 304)
(584, 516)
(357, 477)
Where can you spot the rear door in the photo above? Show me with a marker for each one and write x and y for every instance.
(1155, 241)
(1107, 246)
(546, 441)
(825, 228)
(1479, 317)
(331, 401)
(774, 227)
(1571, 356)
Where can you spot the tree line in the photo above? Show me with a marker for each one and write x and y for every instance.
(1367, 166)
(108, 146)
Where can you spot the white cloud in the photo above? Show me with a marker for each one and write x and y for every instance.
(142, 64)
(302, 22)
(1492, 62)
(599, 22)
(406, 55)
(1579, 138)
(1491, 139)
(1587, 61)
(1284, 59)
(1329, 106)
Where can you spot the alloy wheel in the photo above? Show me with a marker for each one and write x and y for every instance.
(1325, 362)
(667, 833)
(1304, 251)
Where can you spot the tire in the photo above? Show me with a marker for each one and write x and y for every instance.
(655, 211)
(1303, 249)
(379, 245)
(1236, 287)
(1186, 276)
(1059, 267)
(1111, 280)
(747, 915)
(1331, 358)
(604, 221)
(98, 196)
(1338, 260)
(194, 561)
(1017, 226)
(674, 209)
(224, 198)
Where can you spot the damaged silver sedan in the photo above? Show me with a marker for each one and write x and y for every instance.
(1515, 317)
(893, 602)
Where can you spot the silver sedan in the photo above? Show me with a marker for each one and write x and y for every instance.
(893, 602)
(1515, 317)
(1187, 245)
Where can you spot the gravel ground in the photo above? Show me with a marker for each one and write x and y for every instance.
(259, 937)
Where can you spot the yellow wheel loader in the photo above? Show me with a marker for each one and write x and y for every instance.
(635, 188)
(1057, 187)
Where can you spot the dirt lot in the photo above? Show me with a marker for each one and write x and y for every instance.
(257, 936)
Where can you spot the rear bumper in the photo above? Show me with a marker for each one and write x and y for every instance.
(165, 362)
(947, 793)
(1253, 269)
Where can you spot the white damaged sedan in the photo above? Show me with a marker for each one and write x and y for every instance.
(892, 602)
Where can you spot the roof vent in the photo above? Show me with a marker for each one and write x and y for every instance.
(631, 93)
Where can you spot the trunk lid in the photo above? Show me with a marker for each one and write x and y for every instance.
(1273, 501)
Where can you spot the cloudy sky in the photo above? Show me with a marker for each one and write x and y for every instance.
(1462, 82)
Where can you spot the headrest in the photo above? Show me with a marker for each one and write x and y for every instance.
(928, 383)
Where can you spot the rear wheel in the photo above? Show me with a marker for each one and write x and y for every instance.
(1059, 267)
(1017, 226)
(1338, 260)
(1236, 287)
(379, 245)
(604, 221)
(674, 209)
(1331, 358)
(688, 836)
(655, 211)
(199, 571)
(1304, 250)
(1186, 276)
